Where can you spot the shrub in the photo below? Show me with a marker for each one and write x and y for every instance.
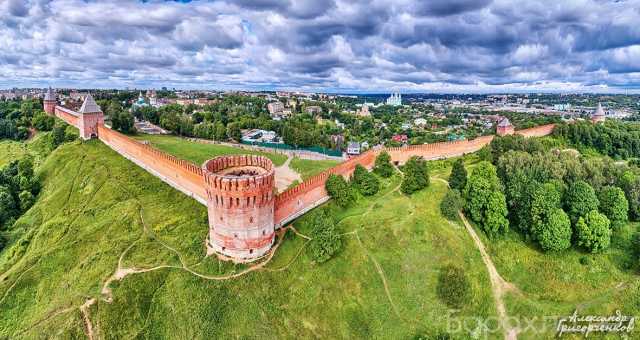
(614, 204)
(43, 122)
(383, 165)
(593, 231)
(366, 182)
(58, 135)
(585, 261)
(453, 287)
(451, 204)
(416, 175)
(26, 200)
(325, 240)
(458, 177)
(339, 190)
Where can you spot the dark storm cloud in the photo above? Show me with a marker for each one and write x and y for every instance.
(449, 7)
(328, 44)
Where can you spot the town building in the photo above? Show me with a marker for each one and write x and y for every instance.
(259, 136)
(421, 122)
(275, 108)
(364, 111)
(140, 102)
(353, 149)
(400, 139)
(313, 109)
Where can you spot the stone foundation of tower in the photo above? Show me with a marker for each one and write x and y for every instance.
(240, 202)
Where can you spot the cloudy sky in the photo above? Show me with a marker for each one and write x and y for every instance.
(329, 45)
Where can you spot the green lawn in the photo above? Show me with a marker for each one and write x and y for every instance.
(307, 168)
(200, 152)
(95, 205)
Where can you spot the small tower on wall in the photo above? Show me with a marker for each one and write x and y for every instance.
(598, 115)
(50, 101)
(90, 116)
(504, 127)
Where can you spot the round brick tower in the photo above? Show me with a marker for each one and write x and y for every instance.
(240, 200)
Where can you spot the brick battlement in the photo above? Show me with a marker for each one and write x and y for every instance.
(232, 191)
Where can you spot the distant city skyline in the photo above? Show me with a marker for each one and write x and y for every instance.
(349, 47)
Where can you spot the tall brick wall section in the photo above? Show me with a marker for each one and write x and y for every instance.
(67, 115)
(296, 201)
(435, 151)
(538, 131)
(180, 174)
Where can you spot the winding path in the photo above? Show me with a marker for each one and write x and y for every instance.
(498, 285)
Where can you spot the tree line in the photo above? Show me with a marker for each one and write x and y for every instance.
(554, 198)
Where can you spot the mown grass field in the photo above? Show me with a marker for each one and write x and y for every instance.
(96, 205)
(308, 168)
(200, 152)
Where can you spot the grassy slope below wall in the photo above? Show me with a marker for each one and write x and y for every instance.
(200, 152)
(95, 205)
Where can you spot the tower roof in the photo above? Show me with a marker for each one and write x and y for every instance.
(50, 95)
(504, 122)
(599, 112)
(89, 105)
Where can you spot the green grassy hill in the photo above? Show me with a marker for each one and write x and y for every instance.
(99, 212)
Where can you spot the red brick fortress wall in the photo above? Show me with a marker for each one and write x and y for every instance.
(180, 174)
(435, 151)
(240, 200)
(69, 116)
(296, 201)
(538, 131)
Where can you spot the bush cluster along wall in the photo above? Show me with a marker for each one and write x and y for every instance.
(191, 180)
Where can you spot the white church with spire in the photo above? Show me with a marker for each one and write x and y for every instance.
(395, 99)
